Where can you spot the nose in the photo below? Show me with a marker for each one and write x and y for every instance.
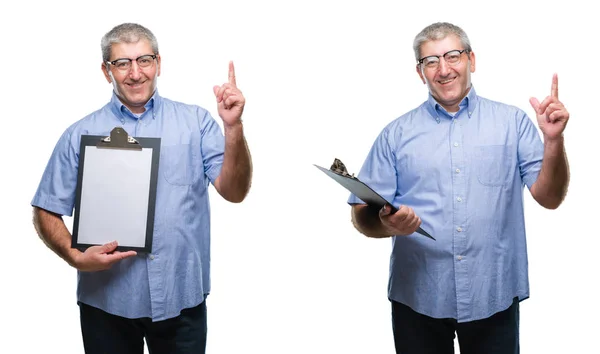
(135, 71)
(444, 68)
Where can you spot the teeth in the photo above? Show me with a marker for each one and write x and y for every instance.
(445, 81)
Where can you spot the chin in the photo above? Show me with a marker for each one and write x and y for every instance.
(451, 95)
(139, 99)
(451, 98)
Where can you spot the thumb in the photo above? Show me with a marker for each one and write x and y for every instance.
(215, 89)
(535, 104)
(108, 247)
(385, 210)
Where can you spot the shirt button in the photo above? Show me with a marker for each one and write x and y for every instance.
(457, 170)
(459, 229)
(459, 199)
(151, 257)
(459, 258)
(455, 144)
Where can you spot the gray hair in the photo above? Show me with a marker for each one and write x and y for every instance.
(126, 33)
(439, 31)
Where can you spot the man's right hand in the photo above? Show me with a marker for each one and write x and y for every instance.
(97, 258)
(403, 222)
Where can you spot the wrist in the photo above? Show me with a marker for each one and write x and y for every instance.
(234, 128)
(554, 141)
(554, 146)
(74, 258)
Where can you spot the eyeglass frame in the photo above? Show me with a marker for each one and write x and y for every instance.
(420, 61)
(114, 62)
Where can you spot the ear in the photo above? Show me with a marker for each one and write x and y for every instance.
(420, 72)
(158, 64)
(472, 61)
(105, 72)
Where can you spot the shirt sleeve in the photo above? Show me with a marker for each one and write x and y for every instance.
(212, 145)
(379, 170)
(57, 188)
(530, 150)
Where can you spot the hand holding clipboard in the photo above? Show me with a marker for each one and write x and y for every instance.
(339, 173)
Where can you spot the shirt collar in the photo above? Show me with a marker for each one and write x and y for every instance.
(121, 111)
(437, 111)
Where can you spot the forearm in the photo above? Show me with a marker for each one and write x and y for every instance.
(366, 220)
(52, 230)
(236, 172)
(550, 188)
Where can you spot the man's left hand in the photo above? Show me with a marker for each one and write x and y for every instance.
(230, 101)
(552, 116)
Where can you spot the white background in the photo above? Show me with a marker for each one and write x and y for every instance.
(321, 78)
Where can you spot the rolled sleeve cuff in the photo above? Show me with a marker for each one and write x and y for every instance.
(52, 205)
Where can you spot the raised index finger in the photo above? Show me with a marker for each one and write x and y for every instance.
(554, 90)
(232, 74)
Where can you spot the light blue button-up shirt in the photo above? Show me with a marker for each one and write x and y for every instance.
(464, 175)
(176, 275)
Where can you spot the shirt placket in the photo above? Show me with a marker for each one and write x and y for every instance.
(140, 127)
(154, 261)
(459, 213)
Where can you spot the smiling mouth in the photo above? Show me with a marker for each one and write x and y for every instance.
(445, 82)
(135, 84)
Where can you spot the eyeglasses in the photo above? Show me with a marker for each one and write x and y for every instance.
(124, 64)
(452, 58)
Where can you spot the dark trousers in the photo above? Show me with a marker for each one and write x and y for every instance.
(104, 333)
(415, 333)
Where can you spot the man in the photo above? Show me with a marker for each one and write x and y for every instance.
(126, 297)
(456, 166)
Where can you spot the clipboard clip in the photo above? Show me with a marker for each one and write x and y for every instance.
(339, 168)
(119, 139)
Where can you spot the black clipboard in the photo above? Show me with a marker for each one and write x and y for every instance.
(363, 192)
(116, 191)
